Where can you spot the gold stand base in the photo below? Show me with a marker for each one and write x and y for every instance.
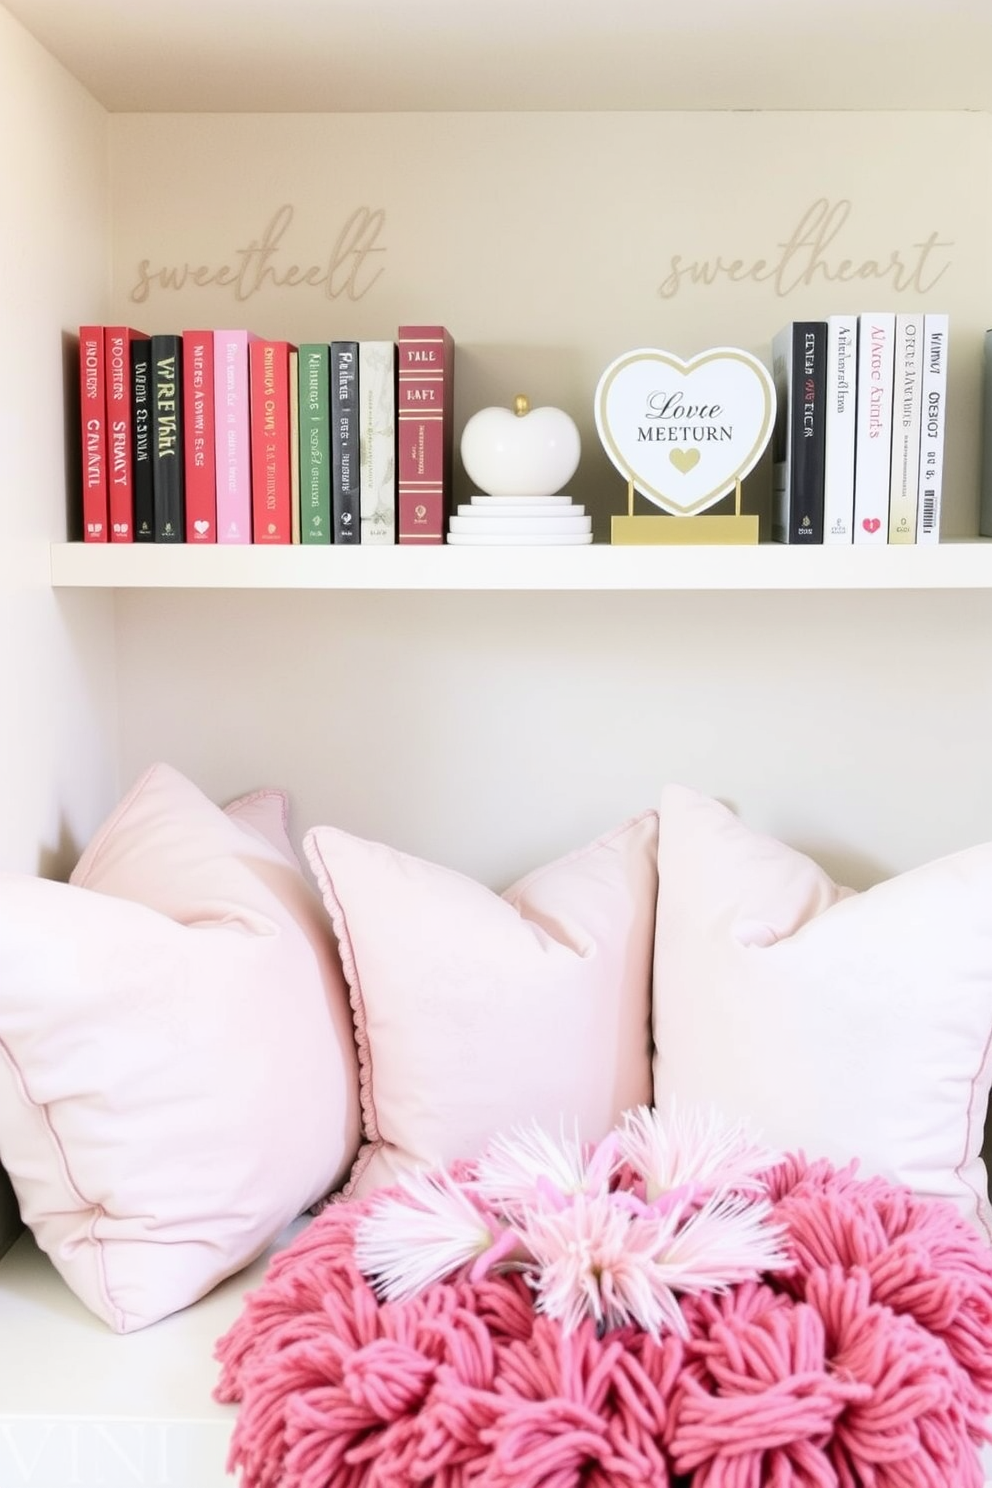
(683, 531)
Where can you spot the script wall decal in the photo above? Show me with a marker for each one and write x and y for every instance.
(684, 432)
(813, 253)
(352, 266)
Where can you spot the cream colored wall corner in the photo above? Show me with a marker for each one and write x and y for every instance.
(58, 737)
(57, 744)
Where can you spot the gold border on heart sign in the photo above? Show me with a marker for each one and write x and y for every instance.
(680, 458)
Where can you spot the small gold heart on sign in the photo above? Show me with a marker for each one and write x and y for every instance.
(684, 460)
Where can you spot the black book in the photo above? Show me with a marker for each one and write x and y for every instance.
(799, 359)
(345, 445)
(141, 448)
(985, 510)
(168, 482)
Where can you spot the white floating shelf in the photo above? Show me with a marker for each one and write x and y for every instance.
(951, 565)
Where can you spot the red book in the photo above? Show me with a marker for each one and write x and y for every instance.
(425, 358)
(199, 435)
(271, 493)
(120, 431)
(93, 418)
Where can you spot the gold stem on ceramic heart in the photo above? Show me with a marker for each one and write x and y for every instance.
(630, 498)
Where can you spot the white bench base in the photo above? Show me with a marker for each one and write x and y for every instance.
(82, 1406)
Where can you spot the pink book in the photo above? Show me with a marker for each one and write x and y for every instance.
(93, 418)
(200, 439)
(232, 435)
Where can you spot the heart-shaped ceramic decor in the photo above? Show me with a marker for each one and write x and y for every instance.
(685, 432)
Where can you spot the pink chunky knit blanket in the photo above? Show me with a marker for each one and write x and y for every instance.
(865, 1363)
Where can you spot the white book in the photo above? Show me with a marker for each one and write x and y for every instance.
(907, 401)
(932, 425)
(377, 440)
(873, 438)
(839, 428)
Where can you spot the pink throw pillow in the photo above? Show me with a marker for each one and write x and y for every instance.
(475, 1011)
(178, 1076)
(851, 1025)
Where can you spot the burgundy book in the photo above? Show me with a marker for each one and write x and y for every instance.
(93, 419)
(424, 432)
(120, 431)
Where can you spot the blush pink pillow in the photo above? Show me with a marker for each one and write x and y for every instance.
(476, 1012)
(178, 1076)
(851, 1025)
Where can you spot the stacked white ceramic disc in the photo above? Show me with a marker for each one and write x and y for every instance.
(520, 459)
(519, 520)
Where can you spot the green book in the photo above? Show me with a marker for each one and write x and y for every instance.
(315, 443)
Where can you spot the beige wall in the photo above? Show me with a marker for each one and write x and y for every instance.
(489, 731)
(545, 240)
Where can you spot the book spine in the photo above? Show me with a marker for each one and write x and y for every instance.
(936, 330)
(377, 440)
(781, 433)
(907, 391)
(985, 512)
(316, 524)
(268, 382)
(93, 420)
(801, 358)
(839, 429)
(232, 433)
(200, 437)
(424, 433)
(345, 442)
(294, 444)
(120, 433)
(168, 476)
(144, 498)
(810, 448)
(873, 441)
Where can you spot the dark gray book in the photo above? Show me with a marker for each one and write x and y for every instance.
(141, 447)
(168, 475)
(799, 359)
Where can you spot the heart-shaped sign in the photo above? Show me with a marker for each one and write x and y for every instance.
(683, 433)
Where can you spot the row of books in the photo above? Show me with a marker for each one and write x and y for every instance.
(222, 436)
(859, 435)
